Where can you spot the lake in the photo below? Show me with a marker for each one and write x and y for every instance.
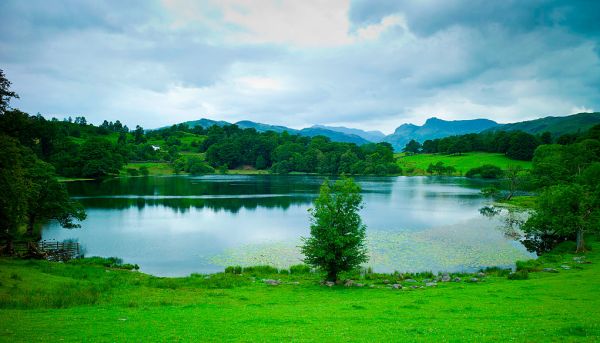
(177, 225)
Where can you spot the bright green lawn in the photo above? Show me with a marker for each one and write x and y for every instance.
(417, 164)
(154, 168)
(42, 301)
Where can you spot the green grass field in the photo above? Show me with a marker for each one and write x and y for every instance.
(75, 302)
(417, 164)
(154, 168)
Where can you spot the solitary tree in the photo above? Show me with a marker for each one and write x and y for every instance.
(337, 234)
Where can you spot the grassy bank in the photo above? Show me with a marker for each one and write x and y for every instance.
(81, 301)
(417, 164)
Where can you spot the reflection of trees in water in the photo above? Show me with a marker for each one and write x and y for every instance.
(510, 219)
(183, 205)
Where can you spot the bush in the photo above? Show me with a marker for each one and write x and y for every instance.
(528, 266)
(132, 172)
(300, 269)
(259, 270)
(233, 270)
(486, 171)
(144, 171)
(519, 275)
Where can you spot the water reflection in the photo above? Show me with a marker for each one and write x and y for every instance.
(178, 225)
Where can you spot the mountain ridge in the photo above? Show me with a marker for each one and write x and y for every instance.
(432, 128)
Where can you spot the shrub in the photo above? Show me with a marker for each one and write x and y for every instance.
(144, 171)
(486, 171)
(259, 270)
(233, 270)
(132, 172)
(529, 265)
(519, 275)
(300, 269)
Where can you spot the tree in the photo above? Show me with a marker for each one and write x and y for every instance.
(412, 147)
(566, 211)
(5, 93)
(514, 178)
(49, 199)
(337, 234)
(13, 187)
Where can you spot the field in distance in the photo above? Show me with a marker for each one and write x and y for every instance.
(417, 164)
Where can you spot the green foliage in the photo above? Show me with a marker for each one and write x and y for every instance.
(440, 169)
(486, 171)
(529, 265)
(5, 93)
(519, 275)
(566, 211)
(337, 235)
(300, 269)
(412, 147)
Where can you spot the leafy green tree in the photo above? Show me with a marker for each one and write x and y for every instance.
(261, 162)
(49, 199)
(522, 146)
(5, 93)
(14, 188)
(337, 234)
(412, 147)
(566, 210)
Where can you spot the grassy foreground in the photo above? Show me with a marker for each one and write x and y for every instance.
(417, 164)
(83, 301)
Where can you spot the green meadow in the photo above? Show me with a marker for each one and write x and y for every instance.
(417, 164)
(91, 300)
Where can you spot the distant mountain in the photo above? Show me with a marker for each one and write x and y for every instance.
(436, 128)
(206, 123)
(333, 135)
(557, 126)
(260, 127)
(372, 136)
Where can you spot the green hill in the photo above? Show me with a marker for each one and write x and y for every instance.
(557, 126)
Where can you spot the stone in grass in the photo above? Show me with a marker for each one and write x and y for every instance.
(414, 287)
(386, 281)
(396, 286)
(565, 267)
(550, 270)
(349, 283)
(481, 274)
(473, 279)
(410, 280)
(445, 278)
(359, 285)
(426, 280)
(272, 282)
(329, 283)
(457, 279)
(431, 284)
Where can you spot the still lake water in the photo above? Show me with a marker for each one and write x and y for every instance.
(177, 225)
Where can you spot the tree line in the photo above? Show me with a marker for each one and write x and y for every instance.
(517, 145)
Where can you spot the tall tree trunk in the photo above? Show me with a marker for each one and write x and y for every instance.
(332, 276)
(580, 241)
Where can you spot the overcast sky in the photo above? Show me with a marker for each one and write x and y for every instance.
(365, 64)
